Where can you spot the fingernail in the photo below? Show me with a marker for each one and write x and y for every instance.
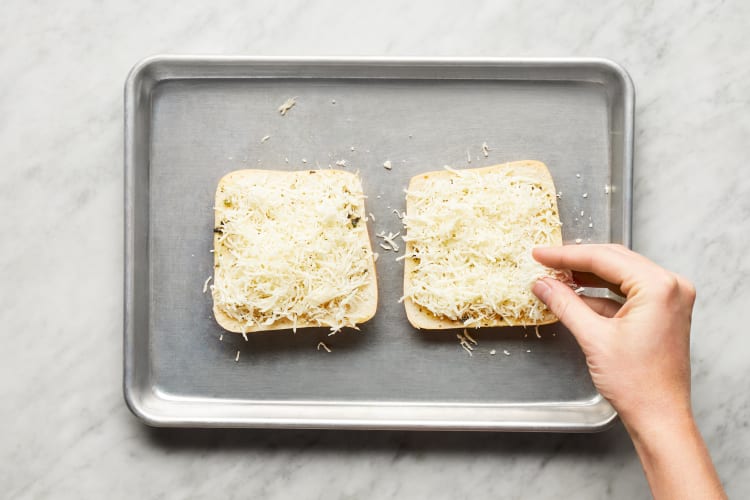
(541, 290)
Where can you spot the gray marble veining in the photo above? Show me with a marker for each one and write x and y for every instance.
(66, 432)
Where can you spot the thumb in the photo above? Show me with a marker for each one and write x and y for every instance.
(569, 308)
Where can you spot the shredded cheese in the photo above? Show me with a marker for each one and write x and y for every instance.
(265, 138)
(471, 236)
(341, 163)
(485, 149)
(505, 351)
(464, 344)
(287, 105)
(469, 337)
(388, 165)
(388, 240)
(493, 352)
(237, 357)
(281, 257)
(324, 346)
(205, 284)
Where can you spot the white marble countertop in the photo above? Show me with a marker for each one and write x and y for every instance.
(66, 432)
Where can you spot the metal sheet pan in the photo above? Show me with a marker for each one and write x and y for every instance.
(189, 120)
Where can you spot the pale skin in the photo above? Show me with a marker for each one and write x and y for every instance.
(638, 354)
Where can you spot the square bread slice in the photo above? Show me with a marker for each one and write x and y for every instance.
(470, 233)
(292, 250)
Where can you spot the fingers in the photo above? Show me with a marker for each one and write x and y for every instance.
(604, 307)
(612, 263)
(580, 319)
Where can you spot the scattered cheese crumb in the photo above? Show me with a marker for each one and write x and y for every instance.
(388, 165)
(288, 104)
(471, 339)
(333, 101)
(341, 163)
(585, 195)
(371, 216)
(304, 160)
(578, 241)
(205, 284)
(265, 138)
(286, 160)
(582, 213)
(468, 156)
(505, 351)
(591, 224)
(237, 358)
(375, 256)
(536, 331)
(485, 149)
(579, 290)
(400, 215)
(559, 195)
(606, 189)
(351, 148)
(528, 350)
(464, 344)
(324, 346)
(578, 176)
(221, 338)
(388, 242)
(493, 352)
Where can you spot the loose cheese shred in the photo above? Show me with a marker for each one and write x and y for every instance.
(205, 284)
(485, 149)
(324, 346)
(288, 104)
(471, 238)
(388, 241)
(464, 344)
(265, 138)
(237, 357)
(281, 257)
(388, 165)
(469, 337)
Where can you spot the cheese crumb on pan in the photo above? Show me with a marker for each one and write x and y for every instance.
(287, 105)
(205, 284)
(485, 149)
(388, 165)
(464, 344)
(265, 138)
(469, 239)
(282, 261)
(324, 346)
(237, 357)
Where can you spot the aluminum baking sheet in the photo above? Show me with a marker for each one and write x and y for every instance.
(190, 120)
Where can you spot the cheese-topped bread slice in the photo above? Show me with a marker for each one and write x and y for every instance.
(470, 233)
(291, 250)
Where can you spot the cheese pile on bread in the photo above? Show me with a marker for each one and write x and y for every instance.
(291, 250)
(470, 233)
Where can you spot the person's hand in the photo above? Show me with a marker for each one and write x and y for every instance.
(638, 354)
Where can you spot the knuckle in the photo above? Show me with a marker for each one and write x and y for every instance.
(666, 284)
